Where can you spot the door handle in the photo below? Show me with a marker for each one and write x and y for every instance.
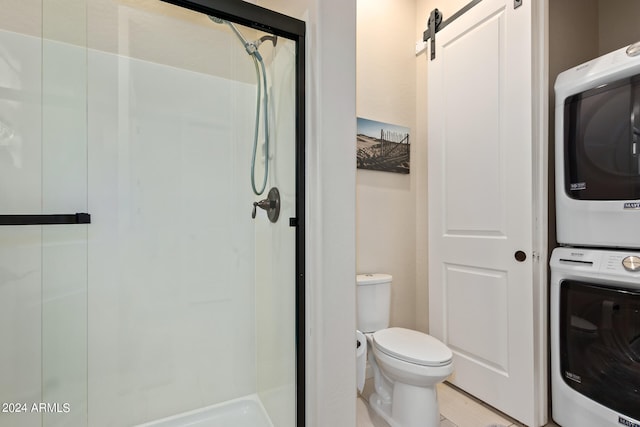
(520, 256)
(78, 218)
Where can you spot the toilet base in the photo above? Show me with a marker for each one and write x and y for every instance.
(382, 409)
(410, 406)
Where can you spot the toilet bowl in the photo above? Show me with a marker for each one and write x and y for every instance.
(412, 357)
(407, 365)
(407, 376)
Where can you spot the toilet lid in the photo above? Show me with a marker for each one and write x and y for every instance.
(412, 346)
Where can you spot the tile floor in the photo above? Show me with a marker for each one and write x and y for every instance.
(456, 408)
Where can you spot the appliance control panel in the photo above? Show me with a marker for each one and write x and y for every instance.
(616, 262)
(615, 265)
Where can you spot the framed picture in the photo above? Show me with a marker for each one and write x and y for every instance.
(383, 146)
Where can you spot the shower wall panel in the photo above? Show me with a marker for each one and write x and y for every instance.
(171, 260)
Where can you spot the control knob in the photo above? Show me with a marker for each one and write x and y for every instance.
(631, 263)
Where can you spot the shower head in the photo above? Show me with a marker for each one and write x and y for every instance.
(274, 39)
(216, 19)
(251, 48)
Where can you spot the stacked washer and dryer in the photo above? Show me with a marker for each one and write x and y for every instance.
(595, 273)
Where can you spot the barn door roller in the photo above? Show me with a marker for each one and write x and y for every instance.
(435, 23)
(433, 26)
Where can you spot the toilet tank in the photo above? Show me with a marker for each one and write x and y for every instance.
(373, 296)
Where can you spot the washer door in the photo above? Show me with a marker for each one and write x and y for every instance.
(600, 344)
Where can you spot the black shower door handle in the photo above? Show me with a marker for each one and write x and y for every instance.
(77, 218)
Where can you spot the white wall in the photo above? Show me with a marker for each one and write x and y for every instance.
(386, 202)
(331, 210)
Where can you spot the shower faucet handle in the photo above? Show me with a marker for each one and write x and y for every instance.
(265, 204)
(271, 204)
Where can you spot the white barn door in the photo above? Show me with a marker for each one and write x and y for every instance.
(481, 301)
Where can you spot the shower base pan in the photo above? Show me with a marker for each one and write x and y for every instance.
(244, 412)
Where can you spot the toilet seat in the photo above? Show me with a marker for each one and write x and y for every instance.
(412, 347)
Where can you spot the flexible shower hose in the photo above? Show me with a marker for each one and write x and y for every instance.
(262, 80)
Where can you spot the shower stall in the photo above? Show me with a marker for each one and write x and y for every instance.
(151, 214)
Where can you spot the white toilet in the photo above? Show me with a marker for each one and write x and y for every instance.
(406, 364)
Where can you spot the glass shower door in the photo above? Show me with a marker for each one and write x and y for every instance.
(43, 175)
(192, 301)
(20, 247)
(64, 191)
(173, 298)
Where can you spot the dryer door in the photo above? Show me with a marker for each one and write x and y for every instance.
(600, 344)
(601, 142)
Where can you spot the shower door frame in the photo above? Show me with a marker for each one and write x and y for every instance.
(266, 20)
